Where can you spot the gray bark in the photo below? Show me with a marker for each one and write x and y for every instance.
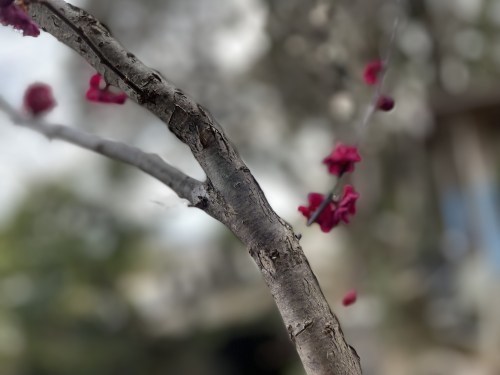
(230, 193)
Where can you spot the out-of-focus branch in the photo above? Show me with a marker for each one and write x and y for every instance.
(152, 164)
(365, 120)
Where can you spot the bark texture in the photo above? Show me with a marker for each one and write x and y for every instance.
(230, 194)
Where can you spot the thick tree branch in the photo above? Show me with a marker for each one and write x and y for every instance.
(183, 185)
(231, 194)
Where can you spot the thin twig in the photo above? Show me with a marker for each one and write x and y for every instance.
(152, 164)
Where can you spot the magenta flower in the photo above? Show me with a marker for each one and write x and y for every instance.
(13, 15)
(342, 159)
(372, 72)
(334, 212)
(38, 99)
(326, 218)
(350, 297)
(96, 93)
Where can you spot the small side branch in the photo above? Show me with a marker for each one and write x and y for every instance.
(152, 164)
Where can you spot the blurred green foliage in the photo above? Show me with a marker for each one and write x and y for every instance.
(60, 260)
(64, 311)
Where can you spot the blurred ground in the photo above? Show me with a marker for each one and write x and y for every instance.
(105, 271)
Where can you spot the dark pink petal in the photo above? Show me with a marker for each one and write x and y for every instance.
(350, 297)
(95, 93)
(315, 200)
(111, 97)
(372, 72)
(95, 81)
(15, 16)
(347, 205)
(326, 219)
(385, 103)
(342, 159)
(38, 99)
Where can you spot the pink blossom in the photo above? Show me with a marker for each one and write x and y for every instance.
(334, 212)
(350, 297)
(38, 99)
(103, 95)
(13, 15)
(372, 72)
(342, 159)
(326, 218)
(385, 103)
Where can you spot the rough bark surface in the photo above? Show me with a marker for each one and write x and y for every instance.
(230, 194)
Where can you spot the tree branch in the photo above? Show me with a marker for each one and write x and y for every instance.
(152, 164)
(231, 194)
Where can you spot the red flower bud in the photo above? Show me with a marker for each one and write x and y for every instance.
(350, 297)
(372, 72)
(38, 99)
(385, 103)
(95, 81)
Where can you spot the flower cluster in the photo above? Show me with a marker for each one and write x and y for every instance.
(341, 160)
(99, 91)
(13, 15)
(334, 212)
(38, 99)
(323, 210)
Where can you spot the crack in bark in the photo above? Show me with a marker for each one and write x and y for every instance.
(304, 327)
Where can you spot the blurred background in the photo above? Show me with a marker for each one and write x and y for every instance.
(105, 271)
